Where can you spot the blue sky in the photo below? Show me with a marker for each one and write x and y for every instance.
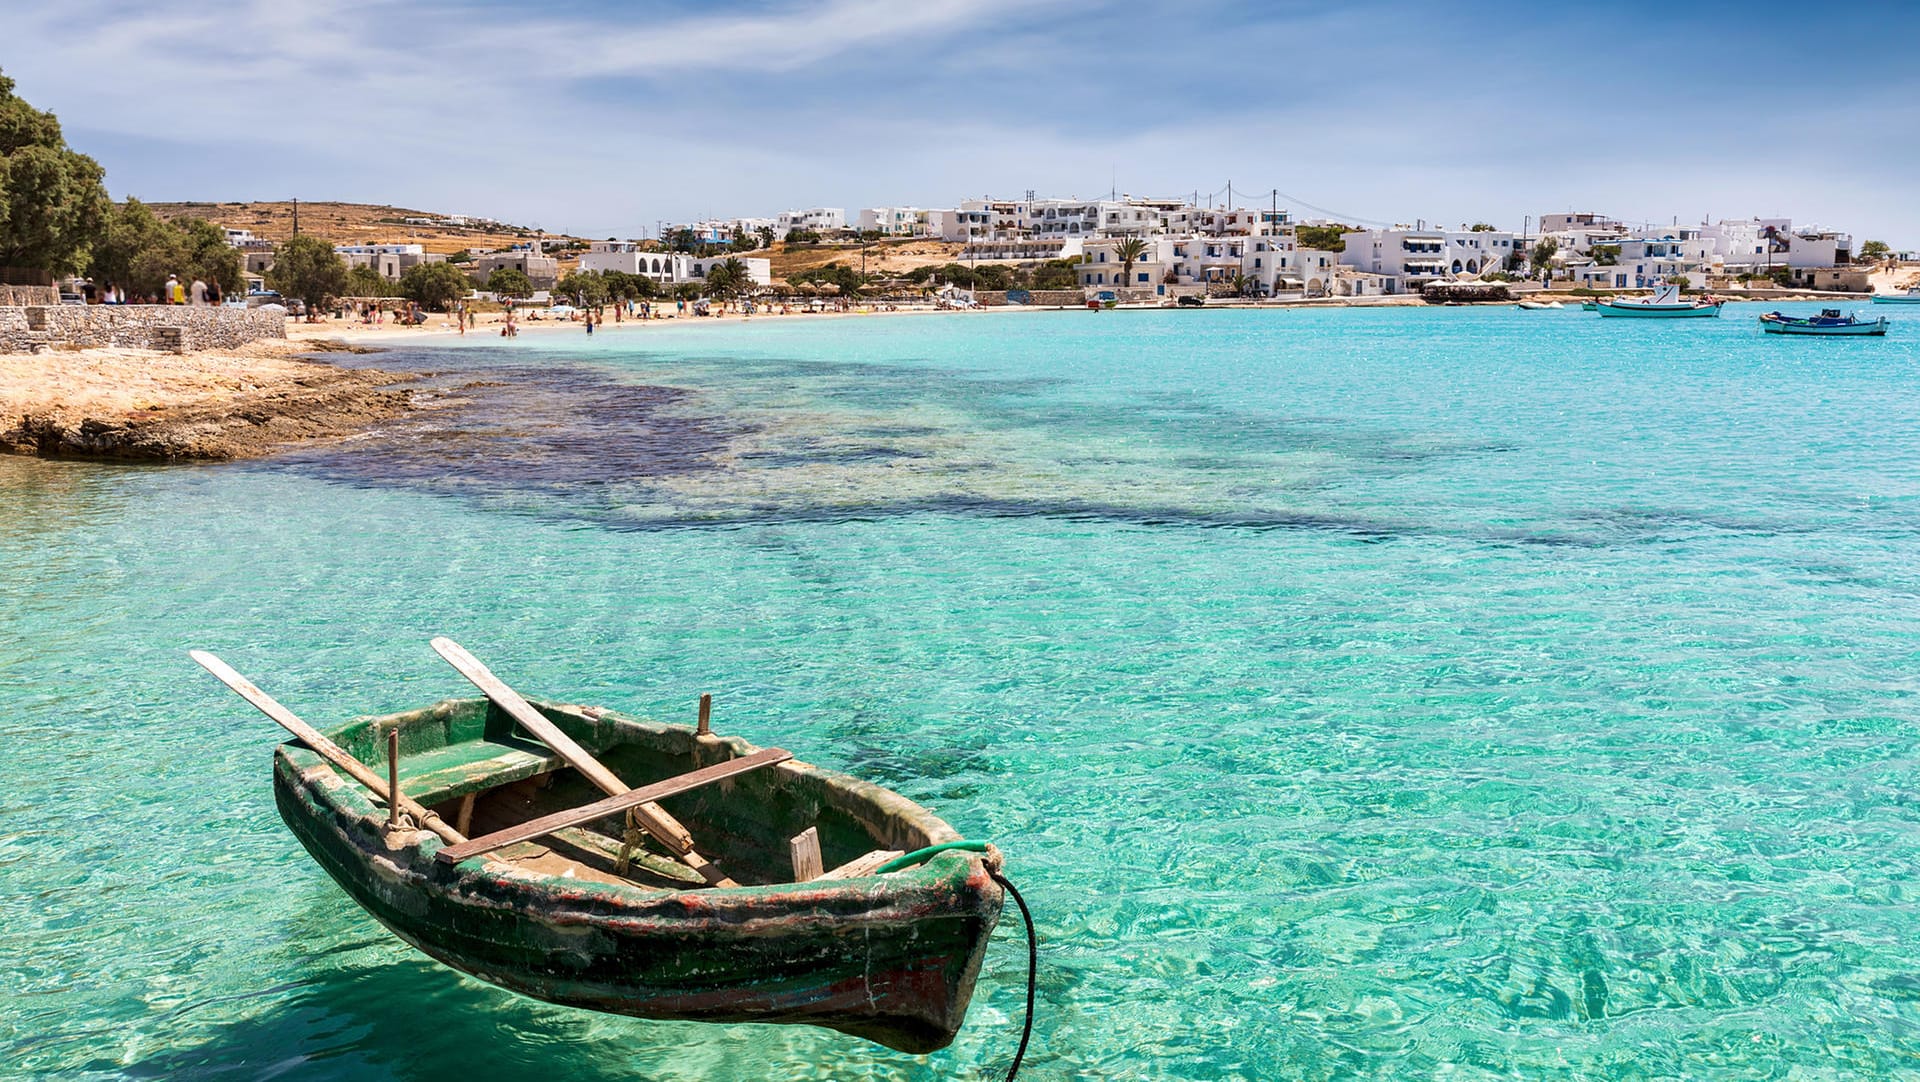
(602, 118)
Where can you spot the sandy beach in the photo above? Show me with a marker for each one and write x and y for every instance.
(146, 406)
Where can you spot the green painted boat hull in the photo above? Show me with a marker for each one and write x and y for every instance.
(892, 959)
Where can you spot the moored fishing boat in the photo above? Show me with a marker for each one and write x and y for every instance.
(1666, 303)
(827, 901)
(1830, 321)
(1910, 296)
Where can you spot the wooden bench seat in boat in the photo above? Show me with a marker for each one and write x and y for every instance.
(472, 766)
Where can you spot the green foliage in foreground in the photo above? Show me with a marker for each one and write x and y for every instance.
(53, 200)
(136, 250)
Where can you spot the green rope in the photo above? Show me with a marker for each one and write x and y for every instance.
(921, 856)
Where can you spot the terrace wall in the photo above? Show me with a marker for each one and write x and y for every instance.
(32, 328)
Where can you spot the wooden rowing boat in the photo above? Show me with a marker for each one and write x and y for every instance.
(602, 901)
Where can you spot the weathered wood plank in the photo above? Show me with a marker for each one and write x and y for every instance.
(333, 753)
(805, 848)
(859, 866)
(393, 778)
(613, 805)
(652, 817)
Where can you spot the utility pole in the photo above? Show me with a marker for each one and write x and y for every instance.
(296, 217)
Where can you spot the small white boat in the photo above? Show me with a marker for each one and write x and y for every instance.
(1666, 303)
(1830, 321)
(1537, 306)
(1911, 296)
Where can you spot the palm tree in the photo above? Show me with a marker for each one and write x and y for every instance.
(720, 282)
(739, 281)
(1129, 251)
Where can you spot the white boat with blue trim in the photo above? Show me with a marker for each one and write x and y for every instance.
(1666, 303)
(1830, 321)
(1911, 296)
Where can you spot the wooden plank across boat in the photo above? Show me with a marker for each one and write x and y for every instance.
(565, 895)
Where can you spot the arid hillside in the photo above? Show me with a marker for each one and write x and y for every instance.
(355, 223)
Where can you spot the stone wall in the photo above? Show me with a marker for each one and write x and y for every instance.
(31, 328)
(24, 295)
(1059, 298)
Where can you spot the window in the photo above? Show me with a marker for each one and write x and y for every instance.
(1143, 276)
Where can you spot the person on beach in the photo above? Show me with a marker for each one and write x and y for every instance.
(171, 290)
(213, 294)
(197, 293)
(589, 324)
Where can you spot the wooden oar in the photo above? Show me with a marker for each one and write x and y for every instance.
(652, 816)
(327, 749)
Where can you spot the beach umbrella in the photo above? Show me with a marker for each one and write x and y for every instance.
(830, 288)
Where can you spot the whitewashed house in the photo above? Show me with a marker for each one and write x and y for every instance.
(894, 221)
(666, 268)
(817, 219)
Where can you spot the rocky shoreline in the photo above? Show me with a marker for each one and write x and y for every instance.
(141, 406)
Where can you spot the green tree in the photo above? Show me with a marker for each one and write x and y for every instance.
(588, 289)
(1480, 227)
(1057, 274)
(729, 278)
(1605, 255)
(1874, 251)
(508, 282)
(435, 286)
(460, 257)
(802, 236)
(206, 255)
(1544, 252)
(765, 235)
(364, 281)
(308, 269)
(1321, 238)
(1681, 281)
(53, 200)
(686, 291)
(1129, 252)
(622, 286)
(682, 240)
(993, 276)
(135, 250)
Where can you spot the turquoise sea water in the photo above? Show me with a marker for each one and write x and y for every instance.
(1373, 694)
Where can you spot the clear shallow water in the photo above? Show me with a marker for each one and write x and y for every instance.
(1389, 694)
